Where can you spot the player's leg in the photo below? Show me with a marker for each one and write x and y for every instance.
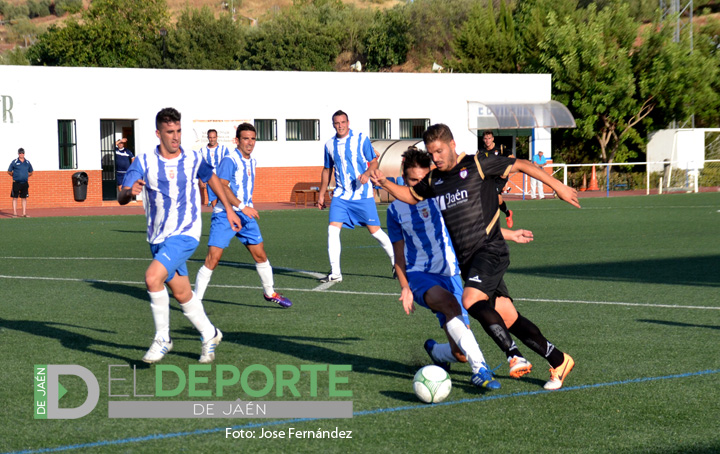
(14, 203)
(221, 233)
(529, 334)
(518, 364)
(541, 190)
(265, 271)
(24, 206)
(176, 252)
(442, 297)
(365, 213)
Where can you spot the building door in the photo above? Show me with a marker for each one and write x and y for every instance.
(111, 131)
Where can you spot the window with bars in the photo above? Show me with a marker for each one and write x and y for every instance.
(67, 142)
(266, 130)
(379, 128)
(413, 128)
(302, 129)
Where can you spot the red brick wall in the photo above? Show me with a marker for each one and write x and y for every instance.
(54, 188)
(50, 189)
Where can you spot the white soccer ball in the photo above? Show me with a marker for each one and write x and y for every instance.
(432, 384)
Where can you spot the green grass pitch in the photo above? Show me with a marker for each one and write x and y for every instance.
(628, 286)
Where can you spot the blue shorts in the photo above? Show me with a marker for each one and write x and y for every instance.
(354, 212)
(173, 253)
(221, 233)
(421, 282)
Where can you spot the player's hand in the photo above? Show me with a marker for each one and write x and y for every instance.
(520, 236)
(377, 177)
(364, 178)
(406, 297)
(137, 187)
(235, 222)
(251, 212)
(321, 201)
(568, 194)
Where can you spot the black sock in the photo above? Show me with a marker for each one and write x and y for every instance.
(493, 324)
(504, 209)
(530, 335)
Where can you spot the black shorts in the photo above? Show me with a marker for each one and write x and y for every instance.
(500, 184)
(19, 189)
(485, 272)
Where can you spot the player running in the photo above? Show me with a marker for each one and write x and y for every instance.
(237, 176)
(465, 187)
(168, 179)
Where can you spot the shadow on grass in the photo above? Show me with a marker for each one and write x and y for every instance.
(303, 348)
(71, 339)
(699, 271)
(678, 324)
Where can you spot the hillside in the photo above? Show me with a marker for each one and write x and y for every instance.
(251, 9)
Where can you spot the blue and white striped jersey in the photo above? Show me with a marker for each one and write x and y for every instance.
(427, 243)
(350, 156)
(213, 156)
(240, 172)
(171, 195)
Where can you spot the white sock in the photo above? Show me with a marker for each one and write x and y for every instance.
(384, 241)
(202, 280)
(266, 277)
(443, 353)
(465, 339)
(195, 312)
(334, 249)
(160, 307)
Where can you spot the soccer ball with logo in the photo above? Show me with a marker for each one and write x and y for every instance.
(432, 384)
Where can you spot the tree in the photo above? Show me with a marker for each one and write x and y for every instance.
(199, 41)
(487, 43)
(388, 40)
(613, 84)
(112, 33)
(306, 37)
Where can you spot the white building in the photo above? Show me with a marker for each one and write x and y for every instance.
(67, 119)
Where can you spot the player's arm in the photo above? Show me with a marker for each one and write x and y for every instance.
(372, 165)
(127, 193)
(564, 192)
(520, 236)
(406, 296)
(232, 198)
(219, 189)
(324, 181)
(401, 193)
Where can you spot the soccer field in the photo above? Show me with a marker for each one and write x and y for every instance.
(628, 286)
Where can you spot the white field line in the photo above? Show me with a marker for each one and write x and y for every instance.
(322, 288)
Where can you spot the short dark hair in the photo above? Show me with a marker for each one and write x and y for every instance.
(488, 133)
(438, 131)
(338, 113)
(167, 115)
(244, 127)
(415, 157)
(21, 150)
(212, 130)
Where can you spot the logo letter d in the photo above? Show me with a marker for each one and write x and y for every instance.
(53, 372)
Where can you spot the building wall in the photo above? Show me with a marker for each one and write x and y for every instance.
(35, 98)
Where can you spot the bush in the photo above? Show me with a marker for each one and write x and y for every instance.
(68, 6)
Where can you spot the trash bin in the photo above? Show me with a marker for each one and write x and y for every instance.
(80, 184)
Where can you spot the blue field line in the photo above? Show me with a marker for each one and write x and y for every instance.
(359, 413)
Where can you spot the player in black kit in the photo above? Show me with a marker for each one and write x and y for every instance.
(465, 188)
(492, 149)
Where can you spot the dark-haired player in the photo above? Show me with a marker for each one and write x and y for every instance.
(465, 187)
(168, 178)
(237, 176)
